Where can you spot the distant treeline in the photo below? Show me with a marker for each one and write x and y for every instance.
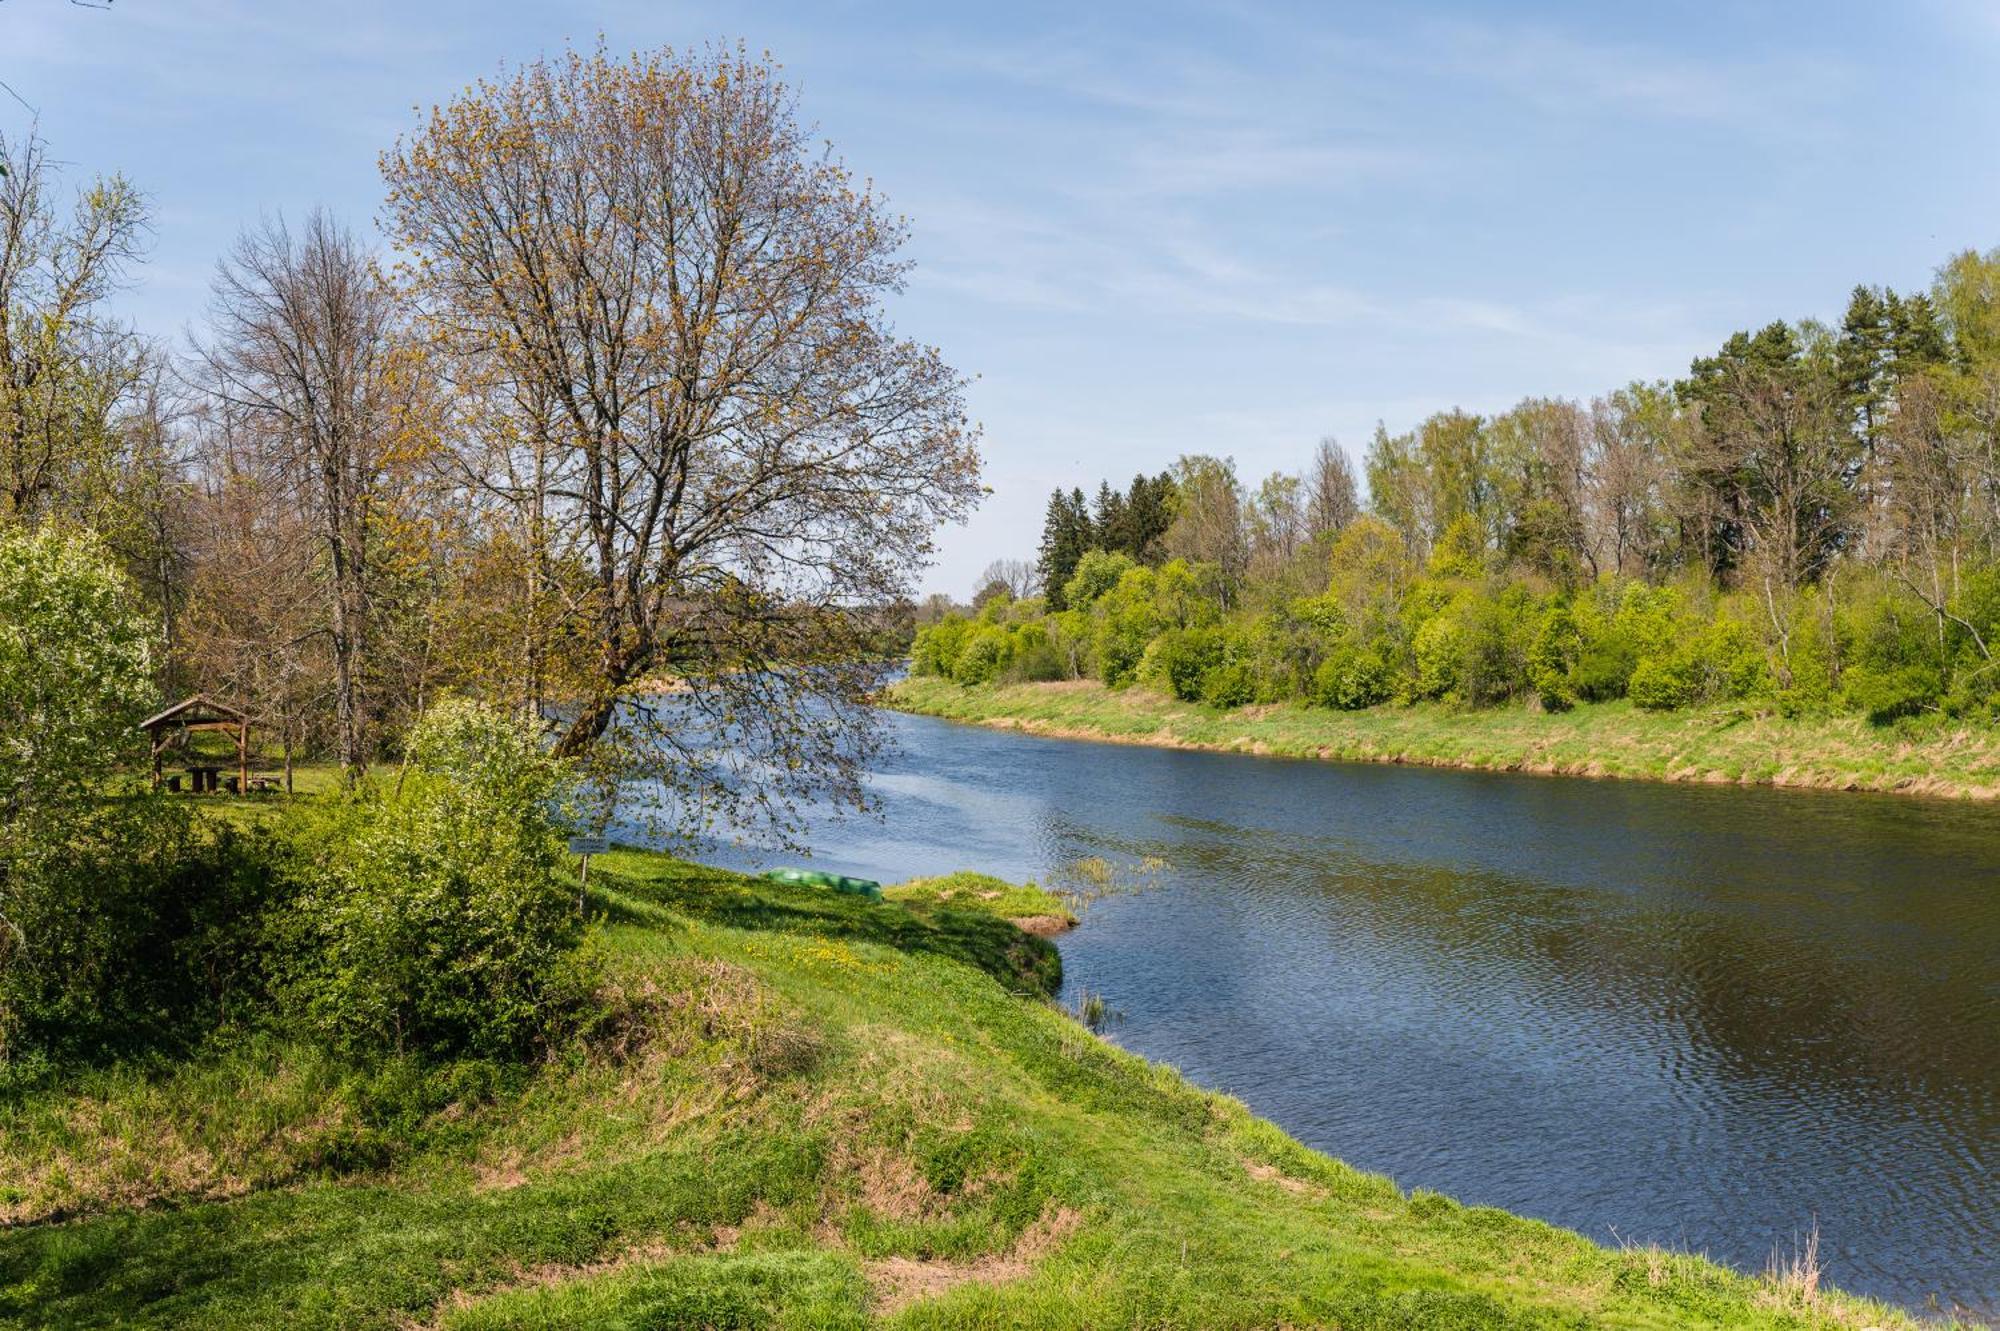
(1810, 518)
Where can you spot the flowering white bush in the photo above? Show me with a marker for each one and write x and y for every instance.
(75, 678)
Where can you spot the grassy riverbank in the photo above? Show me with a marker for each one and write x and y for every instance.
(807, 1110)
(1715, 744)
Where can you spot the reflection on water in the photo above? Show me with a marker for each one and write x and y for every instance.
(1693, 1016)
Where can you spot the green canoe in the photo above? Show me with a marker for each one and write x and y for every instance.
(839, 882)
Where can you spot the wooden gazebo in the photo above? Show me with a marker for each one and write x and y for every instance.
(201, 712)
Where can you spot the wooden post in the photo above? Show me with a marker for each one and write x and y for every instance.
(243, 757)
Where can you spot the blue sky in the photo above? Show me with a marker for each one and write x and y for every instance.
(1156, 228)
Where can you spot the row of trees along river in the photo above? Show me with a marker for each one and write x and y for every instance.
(1809, 517)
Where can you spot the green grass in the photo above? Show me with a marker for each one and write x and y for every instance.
(806, 1110)
(1722, 744)
(983, 892)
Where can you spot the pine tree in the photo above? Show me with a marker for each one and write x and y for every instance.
(1149, 511)
(1066, 534)
(1112, 524)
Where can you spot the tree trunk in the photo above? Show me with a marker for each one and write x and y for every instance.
(588, 725)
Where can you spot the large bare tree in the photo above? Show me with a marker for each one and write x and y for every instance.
(1634, 435)
(254, 628)
(737, 446)
(1332, 498)
(304, 343)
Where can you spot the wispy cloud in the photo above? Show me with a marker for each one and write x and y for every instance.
(1561, 73)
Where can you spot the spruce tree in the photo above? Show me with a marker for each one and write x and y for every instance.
(1111, 525)
(1149, 511)
(1066, 534)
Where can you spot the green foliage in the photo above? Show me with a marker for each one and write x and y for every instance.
(1066, 535)
(434, 919)
(986, 653)
(75, 678)
(141, 928)
(1482, 624)
(1472, 649)
(1125, 622)
(1807, 665)
(1604, 669)
(1663, 683)
(1732, 659)
(1460, 551)
(1033, 654)
(1553, 659)
(1369, 571)
(1185, 595)
(1888, 693)
(1439, 649)
(1096, 573)
(1353, 677)
(1180, 660)
(1230, 684)
(993, 647)
(936, 648)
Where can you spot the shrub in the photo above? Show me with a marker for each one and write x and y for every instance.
(1353, 677)
(1470, 650)
(142, 927)
(1618, 625)
(1096, 574)
(936, 648)
(432, 920)
(75, 672)
(1977, 610)
(1498, 630)
(1809, 686)
(1125, 624)
(1439, 648)
(1604, 669)
(1552, 660)
(1731, 659)
(1034, 657)
(986, 652)
(1888, 694)
(1179, 660)
(1229, 685)
(1663, 683)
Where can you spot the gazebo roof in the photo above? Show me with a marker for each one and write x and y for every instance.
(204, 709)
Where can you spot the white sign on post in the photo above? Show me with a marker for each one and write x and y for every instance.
(583, 847)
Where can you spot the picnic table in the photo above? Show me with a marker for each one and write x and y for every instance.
(201, 713)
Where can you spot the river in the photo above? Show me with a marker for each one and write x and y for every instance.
(1703, 1017)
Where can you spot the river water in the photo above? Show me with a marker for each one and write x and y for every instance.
(1702, 1017)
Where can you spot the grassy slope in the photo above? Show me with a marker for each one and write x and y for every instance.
(1716, 744)
(817, 1112)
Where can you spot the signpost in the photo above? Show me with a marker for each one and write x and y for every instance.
(583, 847)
